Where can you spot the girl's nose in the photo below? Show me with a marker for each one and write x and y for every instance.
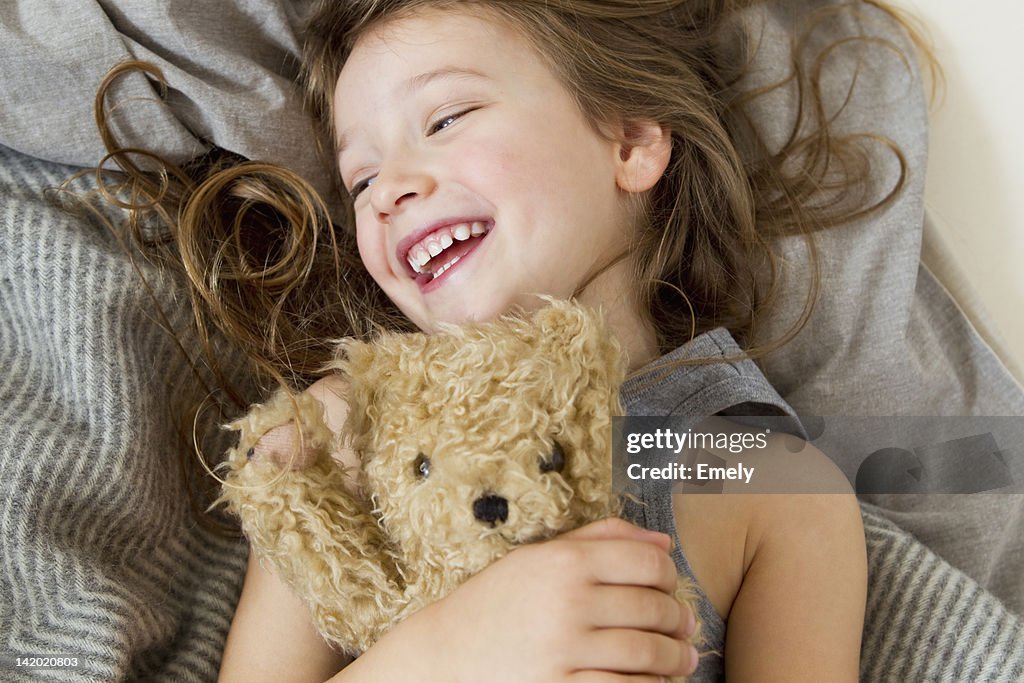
(393, 190)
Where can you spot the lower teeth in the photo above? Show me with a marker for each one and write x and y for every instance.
(445, 267)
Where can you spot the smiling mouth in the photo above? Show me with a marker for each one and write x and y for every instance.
(432, 256)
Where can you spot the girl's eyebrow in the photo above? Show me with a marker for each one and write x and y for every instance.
(457, 72)
(418, 82)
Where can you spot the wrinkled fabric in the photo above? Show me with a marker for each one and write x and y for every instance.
(230, 69)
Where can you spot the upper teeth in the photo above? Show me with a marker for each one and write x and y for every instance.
(439, 240)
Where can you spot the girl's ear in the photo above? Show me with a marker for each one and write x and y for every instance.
(644, 153)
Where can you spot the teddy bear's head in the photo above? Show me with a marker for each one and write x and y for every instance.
(487, 436)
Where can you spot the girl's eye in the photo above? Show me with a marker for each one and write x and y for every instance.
(444, 122)
(421, 466)
(361, 185)
(554, 462)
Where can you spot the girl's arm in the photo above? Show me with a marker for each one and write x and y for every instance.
(591, 602)
(272, 637)
(799, 612)
(786, 566)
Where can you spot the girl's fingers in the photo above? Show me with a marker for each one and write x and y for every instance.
(609, 677)
(639, 652)
(615, 528)
(639, 608)
(627, 563)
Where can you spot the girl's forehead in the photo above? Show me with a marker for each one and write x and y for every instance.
(448, 31)
(398, 57)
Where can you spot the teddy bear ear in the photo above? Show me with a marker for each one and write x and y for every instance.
(366, 366)
(371, 362)
(370, 367)
(568, 328)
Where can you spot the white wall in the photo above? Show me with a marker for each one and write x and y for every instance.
(975, 185)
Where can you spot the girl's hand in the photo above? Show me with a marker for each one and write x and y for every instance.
(592, 605)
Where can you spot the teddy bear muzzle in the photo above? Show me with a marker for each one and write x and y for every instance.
(491, 509)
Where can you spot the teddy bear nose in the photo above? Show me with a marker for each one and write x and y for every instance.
(491, 509)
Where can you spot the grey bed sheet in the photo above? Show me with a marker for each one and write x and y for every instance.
(118, 570)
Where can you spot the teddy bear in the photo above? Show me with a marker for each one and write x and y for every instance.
(470, 442)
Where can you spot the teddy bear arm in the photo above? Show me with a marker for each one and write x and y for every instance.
(304, 518)
(322, 541)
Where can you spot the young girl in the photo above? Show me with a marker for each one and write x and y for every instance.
(497, 150)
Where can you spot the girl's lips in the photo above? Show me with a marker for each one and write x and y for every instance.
(431, 253)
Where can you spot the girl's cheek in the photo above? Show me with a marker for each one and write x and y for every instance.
(490, 158)
(372, 253)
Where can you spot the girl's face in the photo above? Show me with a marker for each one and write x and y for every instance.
(477, 181)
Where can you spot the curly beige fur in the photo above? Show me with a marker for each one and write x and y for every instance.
(480, 409)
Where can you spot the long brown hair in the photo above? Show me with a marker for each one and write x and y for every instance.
(268, 268)
(705, 259)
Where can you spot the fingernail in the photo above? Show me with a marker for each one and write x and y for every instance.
(691, 622)
(694, 659)
(658, 536)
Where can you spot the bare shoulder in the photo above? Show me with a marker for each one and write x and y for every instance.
(333, 392)
(775, 462)
(773, 498)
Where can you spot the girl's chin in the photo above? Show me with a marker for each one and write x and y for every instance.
(432, 322)
(457, 305)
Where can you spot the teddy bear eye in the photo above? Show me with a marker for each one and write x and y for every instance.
(421, 466)
(555, 462)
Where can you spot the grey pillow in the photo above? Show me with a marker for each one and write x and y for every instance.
(230, 69)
